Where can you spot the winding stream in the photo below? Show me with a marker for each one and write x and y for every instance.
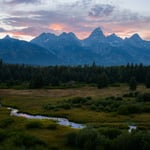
(60, 121)
(131, 128)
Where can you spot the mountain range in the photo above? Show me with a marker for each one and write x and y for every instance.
(67, 49)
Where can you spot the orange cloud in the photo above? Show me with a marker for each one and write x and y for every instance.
(22, 36)
(56, 27)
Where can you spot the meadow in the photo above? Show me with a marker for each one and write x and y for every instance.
(99, 109)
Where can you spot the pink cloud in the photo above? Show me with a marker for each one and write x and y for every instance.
(56, 27)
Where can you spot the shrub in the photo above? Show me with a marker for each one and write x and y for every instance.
(6, 122)
(54, 147)
(131, 94)
(26, 141)
(143, 97)
(89, 97)
(137, 140)
(52, 126)
(3, 135)
(49, 107)
(110, 133)
(34, 125)
(93, 107)
(111, 97)
(146, 108)
(87, 139)
(77, 105)
(71, 139)
(129, 109)
(77, 100)
(118, 98)
(65, 106)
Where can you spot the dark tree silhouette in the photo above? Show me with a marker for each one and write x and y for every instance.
(147, 80)
(102, 80)
(132, 84)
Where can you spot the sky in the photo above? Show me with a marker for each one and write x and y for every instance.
(25, 19)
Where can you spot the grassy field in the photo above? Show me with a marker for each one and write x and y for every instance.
(33, 102)
(48, 132)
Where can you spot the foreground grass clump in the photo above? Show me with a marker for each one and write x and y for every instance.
(52, 126)
(3, 135)
(34, 125)
(6, 122)
(27, 141)
(108, 139)
(20, 140)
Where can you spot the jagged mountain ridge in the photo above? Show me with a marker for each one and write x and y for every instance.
(104, 50)
(22, 52)
(67, 49)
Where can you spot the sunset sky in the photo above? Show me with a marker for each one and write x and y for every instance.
(25, 19)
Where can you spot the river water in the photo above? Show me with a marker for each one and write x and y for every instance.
(60, 121)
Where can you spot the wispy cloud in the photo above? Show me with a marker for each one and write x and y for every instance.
(31, 17)
(102, 10)
(21, 1)
(2, 30)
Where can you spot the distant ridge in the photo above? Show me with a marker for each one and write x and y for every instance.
(22, 52)
(67, 49)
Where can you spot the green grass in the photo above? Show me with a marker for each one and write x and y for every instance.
(33, 101)
(45, 131)
(53, 136)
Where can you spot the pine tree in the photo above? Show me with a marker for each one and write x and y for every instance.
(147, 80)
(36, 82)
(102, 81)
(132, 84)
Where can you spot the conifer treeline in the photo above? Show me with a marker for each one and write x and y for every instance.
(55, 75)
